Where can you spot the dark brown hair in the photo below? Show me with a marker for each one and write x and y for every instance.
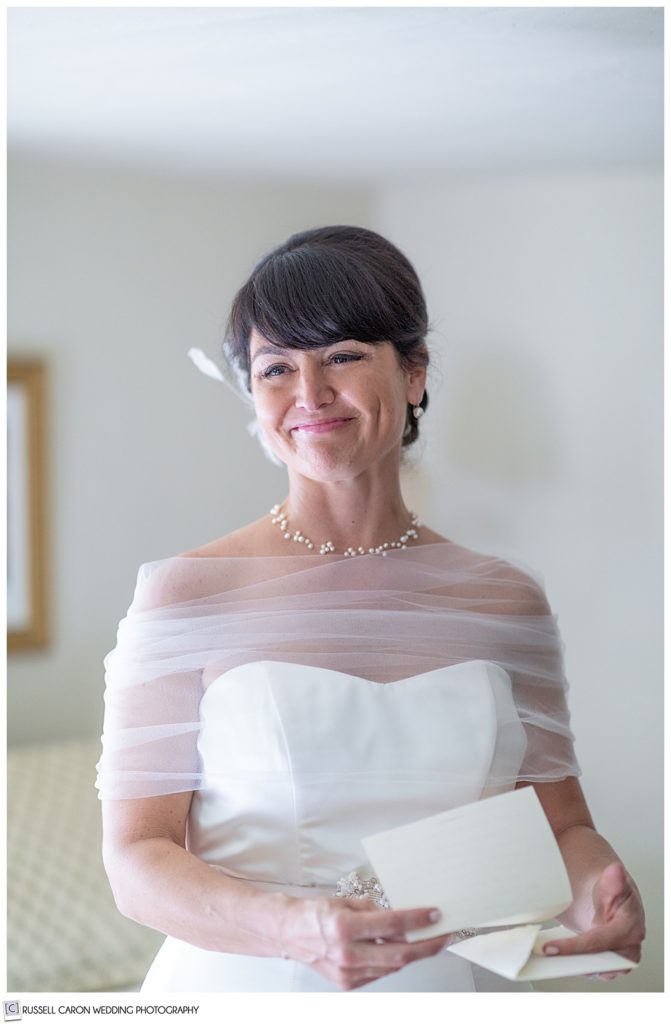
(326, 285)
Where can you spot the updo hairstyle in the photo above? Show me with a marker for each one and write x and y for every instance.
(329, 284)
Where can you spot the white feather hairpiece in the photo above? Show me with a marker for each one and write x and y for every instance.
(210, 369)
(207, 366)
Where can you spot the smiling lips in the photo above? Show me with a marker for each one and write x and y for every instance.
(322, 426)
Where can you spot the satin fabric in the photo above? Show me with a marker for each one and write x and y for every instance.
(300, 763)
(308, 701)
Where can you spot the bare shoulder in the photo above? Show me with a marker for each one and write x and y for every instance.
(251, 539)
(201, 571)
(512, 588)
(431, 537)
(520, 591)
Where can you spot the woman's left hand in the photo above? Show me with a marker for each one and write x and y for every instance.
(618, 921)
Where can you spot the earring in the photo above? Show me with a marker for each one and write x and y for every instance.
(417, 411)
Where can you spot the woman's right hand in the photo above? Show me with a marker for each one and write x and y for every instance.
(351, 941)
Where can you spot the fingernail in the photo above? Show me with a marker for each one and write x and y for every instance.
(435, 915)
(550, 950)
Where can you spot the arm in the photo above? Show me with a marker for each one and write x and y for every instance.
(606, 908)
(158, 883)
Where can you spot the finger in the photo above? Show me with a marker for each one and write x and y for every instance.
(392, 955)
(612, 937)
(359, 903)
(630, 953)
(389, 924)
(357, 979)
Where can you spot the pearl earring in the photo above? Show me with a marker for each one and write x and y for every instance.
(417, 411)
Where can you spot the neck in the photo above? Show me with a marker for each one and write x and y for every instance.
(364, 512)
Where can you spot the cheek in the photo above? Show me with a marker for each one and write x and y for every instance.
(270, 411)
(392, 406)
(266, 406)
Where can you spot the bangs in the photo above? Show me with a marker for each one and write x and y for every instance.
(326, 285)
(303, 300)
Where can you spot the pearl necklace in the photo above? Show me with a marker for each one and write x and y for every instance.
(328, 548)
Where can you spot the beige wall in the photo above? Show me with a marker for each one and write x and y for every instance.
(544, 438)
(112, 277)
(543, 435)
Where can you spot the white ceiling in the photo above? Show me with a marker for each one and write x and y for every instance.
(340, 93)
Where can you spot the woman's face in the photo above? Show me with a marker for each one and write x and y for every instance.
(331, 413)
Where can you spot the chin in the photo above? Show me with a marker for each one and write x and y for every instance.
(327, 467)
(327, 474)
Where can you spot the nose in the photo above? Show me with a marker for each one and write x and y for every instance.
(313, 390)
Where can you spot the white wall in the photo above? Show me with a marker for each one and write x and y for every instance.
(544, 438)
(543, 434)
(112, 277)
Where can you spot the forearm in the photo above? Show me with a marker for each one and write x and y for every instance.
(586, 854)
(159, 884)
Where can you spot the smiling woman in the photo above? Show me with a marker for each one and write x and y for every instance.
(335, 411)
(325, 286)
(279, 694)
(328, 336)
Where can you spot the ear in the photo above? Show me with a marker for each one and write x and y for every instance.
(415, 384)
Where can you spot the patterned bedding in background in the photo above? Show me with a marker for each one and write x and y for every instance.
(64, 933)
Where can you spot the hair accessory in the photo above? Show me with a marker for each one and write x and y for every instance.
(328, 548)
(232, 379)
(207, 366)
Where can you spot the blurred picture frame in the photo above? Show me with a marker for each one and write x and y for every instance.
(27, 611)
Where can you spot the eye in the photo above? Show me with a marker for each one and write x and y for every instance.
(345, 357)
(276, 370)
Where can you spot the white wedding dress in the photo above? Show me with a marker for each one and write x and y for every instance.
(300, 763)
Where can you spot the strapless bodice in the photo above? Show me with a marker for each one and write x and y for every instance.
(306, 703)
(300, 763)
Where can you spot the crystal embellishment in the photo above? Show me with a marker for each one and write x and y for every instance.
(353, 886)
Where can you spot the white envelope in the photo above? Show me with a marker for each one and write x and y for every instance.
(517, 954)
(490, 863)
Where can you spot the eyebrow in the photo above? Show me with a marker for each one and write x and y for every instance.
(266, 350)
(273, 350)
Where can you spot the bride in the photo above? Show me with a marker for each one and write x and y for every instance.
(329, 671)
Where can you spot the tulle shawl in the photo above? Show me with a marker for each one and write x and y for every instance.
(381, 619)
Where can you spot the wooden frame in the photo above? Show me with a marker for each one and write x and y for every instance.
(27, 577)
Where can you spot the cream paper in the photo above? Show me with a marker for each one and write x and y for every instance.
(487, 864)
(517, 954)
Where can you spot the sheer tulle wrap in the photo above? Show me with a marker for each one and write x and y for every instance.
(381, 619)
